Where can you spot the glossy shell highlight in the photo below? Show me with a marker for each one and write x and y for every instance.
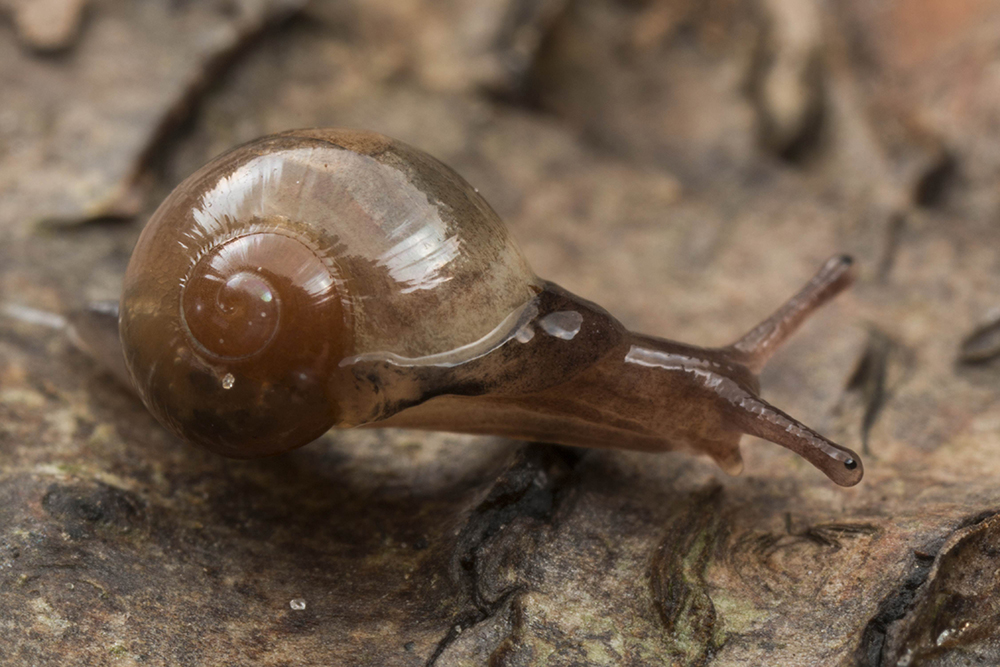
(268, 267)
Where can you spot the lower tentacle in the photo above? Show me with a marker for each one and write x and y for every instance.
(757, 417)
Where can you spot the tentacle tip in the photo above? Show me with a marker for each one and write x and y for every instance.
(840, 268)
(846, 471)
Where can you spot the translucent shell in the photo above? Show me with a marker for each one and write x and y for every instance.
(269, 266)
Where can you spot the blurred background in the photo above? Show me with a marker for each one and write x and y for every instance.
(688, 165)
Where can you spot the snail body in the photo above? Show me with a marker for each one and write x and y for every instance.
(333, 278)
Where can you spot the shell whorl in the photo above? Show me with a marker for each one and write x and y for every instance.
(279, 259)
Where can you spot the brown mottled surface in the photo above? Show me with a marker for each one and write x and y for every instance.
(686, 165)
(78, 126)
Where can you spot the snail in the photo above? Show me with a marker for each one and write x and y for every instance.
(337, 278)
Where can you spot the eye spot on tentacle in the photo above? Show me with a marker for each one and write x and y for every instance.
(851, 464)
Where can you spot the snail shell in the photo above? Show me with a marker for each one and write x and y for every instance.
(333, 278)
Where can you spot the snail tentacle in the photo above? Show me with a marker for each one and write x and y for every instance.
(758, 344)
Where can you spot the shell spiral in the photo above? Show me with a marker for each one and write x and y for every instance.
(265, 270)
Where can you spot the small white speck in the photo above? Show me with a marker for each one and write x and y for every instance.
(524, 334)
(298, 604)
(228, 381)
(943, 637)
